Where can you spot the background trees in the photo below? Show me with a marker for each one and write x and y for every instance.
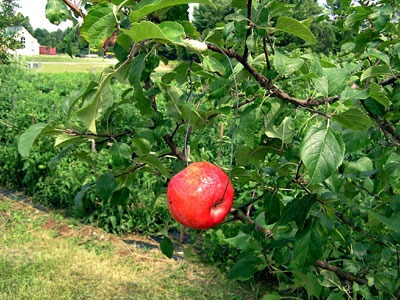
(206, 17)
(8, 18)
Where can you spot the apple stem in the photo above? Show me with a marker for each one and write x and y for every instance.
(182, 234)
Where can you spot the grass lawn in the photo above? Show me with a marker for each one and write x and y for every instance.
(72, 67)
(46, 256)
(66, 58)
(63, 63)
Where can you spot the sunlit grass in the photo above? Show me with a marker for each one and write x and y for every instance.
(73, 67)
(44, 256)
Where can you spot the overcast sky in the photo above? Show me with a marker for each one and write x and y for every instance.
(35, 10)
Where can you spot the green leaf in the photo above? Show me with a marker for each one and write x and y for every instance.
(353, 94)
(75, 96)
(136, 69)
(190, 29)
(120, 197)
(59, 156)
(166, 246)
(364, 164)
(79, 209)
(355, 141)
(69, 38)
(250, 126)
(322, 152)
(105, 186)
(63, 140)
(310, 283)
(83, 156)
(337, 80)
(378, 93)
(239, 3)
(308, 246)
(98, 25)
(284, 131)
(330, 279)
(285, 65)
(141, 146)
(353, 119)
(245, 267)
(180, 111)
(121, 154)
(146, 7)
(244, 242)
(113, 220)
(357, 17)
(99, 102)
(166, 32)
(30, 135)
(153, 161)
(392, 165)
(56, 11)
(296, 28)
(321, 85)
(297, 210)
(271, 207)
(376, 71)
(214, 65)
(378, 55)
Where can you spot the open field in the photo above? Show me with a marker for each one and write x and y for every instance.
(76, 67)
(46, 256)
(64, 63)
(66, 58)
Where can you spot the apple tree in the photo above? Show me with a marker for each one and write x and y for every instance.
(310, 141)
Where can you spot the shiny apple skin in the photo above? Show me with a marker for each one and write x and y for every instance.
(194, 196)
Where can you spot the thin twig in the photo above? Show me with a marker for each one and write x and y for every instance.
(266, 53)
(175, 130)
(249, 29)
(74, 8)
(338, 271)
(189, 126)
(113, 137)
(9, 125)
(320, 264)
(389, 81)
(269, 86)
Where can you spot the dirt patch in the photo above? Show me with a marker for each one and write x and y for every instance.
(49, 224)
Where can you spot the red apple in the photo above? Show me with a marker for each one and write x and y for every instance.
(195, 196)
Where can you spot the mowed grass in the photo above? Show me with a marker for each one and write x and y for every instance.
(66, 58)
(45, 256)
(80, 67)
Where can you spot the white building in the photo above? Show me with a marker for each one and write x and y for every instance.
(29, 43)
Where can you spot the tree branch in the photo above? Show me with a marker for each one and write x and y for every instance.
(389, 81)
(339, 272)
(268, 85)
(167, 138)
(112, 137)
(74, 8)
(383, 125)
(239, 215)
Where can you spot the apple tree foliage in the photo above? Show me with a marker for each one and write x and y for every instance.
(316, 163)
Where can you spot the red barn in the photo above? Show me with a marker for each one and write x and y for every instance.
(48, 51)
